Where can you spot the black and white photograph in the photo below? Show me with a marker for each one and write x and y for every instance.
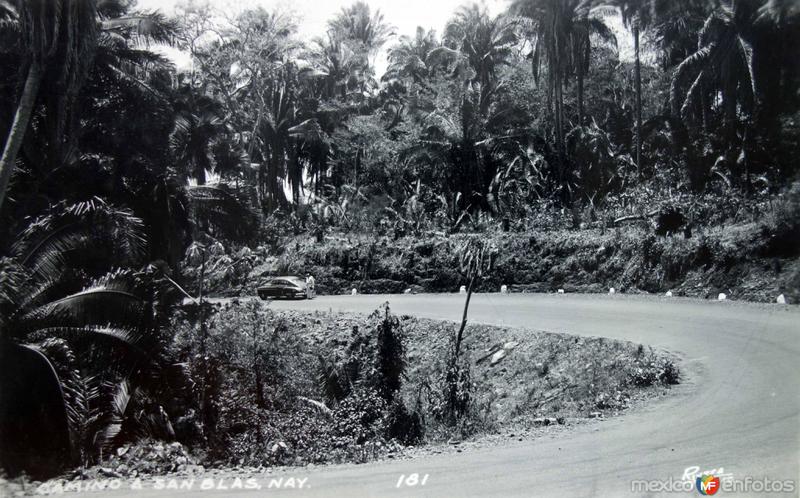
(419, 248)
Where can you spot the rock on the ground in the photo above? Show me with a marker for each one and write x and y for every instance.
(498, 356)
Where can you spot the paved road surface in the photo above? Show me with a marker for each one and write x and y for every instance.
(738, 408)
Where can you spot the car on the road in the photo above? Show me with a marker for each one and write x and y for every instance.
(289, 287)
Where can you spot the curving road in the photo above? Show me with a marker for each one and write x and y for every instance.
(738, 407)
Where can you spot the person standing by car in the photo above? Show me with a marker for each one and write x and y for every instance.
(310, 284)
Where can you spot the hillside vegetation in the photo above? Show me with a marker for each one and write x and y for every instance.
(753, 259)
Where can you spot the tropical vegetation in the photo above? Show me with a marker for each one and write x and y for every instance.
(128, 185)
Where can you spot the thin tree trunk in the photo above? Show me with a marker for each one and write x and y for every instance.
(203, 331)
(559, 107)
(460, 334)
(560, 134)
(19, 126)
(205, 405)
(356, 167)
(638, 77)
(580, 93)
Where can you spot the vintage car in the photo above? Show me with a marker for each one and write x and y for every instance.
(289, 287)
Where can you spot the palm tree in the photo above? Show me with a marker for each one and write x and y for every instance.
(672, 26)
(338, 65)
(41, 299)
(723, 62)
(58, 43)
(198, 124)
(560, 31)
(585, 24)
(478, 44)
(548, 23)
(636, 15)
(737, 75)
(56, 39)
(408, 58)
(465, 139)
(736, 56)
(359, 24)
(465, 131)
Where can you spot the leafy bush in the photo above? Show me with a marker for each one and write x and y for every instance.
(360, 415)
(389, 355)
(451, 395)
(650, 369)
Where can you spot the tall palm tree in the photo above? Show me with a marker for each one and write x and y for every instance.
(673, 24)
(722, 63)
(637, 15)
(407, 59)
(57, 44)
(57, 40)
(477, 44)
(198, 123)
(585, 24)
(548, 24)
(338, 65)
(359, 24)
(560, 31)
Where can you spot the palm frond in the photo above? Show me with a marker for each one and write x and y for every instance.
(47, 241)
(144, 28)
(747, 54)
(118, 407)
(691, 63)
(98, 305)
(128, 337)
(601, 29)
(13, 277)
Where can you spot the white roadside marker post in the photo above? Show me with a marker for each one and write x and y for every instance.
(503, 289)
(462, 289)
(353, 292)
(781, 299)
(612, 291)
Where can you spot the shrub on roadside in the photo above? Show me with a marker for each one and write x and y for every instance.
(365, 379)
(649, 369)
